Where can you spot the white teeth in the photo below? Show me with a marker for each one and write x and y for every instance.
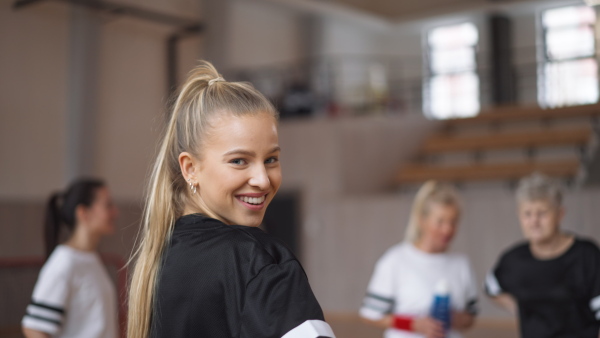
(253, 200)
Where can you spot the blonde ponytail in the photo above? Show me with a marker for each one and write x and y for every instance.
(203, 95)
(430, 192)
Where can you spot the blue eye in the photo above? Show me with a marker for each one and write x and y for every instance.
(272, 160)
(238, 161)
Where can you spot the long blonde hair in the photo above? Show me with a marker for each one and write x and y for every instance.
(204, 94)
(430, 192)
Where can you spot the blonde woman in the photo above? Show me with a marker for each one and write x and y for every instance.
(551, 280)
(401, 291)
(204, 268)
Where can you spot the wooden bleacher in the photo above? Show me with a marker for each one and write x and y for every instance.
(483, 172)
(450, 140)
(448, 143)
(526, 113)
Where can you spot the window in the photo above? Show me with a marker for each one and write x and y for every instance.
(569, 71)
(452, 89)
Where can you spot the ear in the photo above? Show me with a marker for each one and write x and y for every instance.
(188, 165)
(561, 213)
(81, 214)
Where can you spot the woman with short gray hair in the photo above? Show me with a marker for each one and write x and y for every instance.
(552, 279)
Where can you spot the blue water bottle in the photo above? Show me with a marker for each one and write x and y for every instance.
(440, 308)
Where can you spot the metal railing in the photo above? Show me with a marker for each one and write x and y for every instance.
(344, 85)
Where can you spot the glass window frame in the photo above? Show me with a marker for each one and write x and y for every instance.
(547, 59)
(430, 73)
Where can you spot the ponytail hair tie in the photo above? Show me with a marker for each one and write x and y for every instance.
(217, 79)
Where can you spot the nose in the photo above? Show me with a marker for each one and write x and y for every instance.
(260, 178)
(448, 229)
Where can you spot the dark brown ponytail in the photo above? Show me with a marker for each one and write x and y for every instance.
(61, 209)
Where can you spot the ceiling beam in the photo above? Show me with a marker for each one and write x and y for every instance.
(126, 10)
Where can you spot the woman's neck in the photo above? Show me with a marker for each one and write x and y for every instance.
(553, 247)
(83, 240)
(427, 247)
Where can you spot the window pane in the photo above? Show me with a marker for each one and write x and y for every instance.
(454, 95)
(568, 16)
(570, 43)
(448, 37)
(453, 89)
(570, 83)
(452, 60)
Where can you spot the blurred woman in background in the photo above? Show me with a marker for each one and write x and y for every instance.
(552, 279)
(74, 296)
(401, 291)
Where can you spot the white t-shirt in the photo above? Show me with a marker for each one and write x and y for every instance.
(73, 297)
(404, 280)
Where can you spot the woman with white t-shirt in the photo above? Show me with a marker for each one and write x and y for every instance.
(401, 291)
(74, 296)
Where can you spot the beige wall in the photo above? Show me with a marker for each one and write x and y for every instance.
(33, 80)
(264, 35)
(132, 94)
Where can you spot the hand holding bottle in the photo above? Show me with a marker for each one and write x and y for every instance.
(429, 327)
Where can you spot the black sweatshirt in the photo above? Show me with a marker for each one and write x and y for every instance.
(219, 280)
(557, 298)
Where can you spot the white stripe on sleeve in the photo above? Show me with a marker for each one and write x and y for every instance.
(492, 285)
(40, 325)
(595, 303)
(311, 329)
(371, 314)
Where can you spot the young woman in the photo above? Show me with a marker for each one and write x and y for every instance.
(73, 296)
(204, 268)
(552, 279)
(401, 291)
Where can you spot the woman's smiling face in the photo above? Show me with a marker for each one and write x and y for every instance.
(238, 172)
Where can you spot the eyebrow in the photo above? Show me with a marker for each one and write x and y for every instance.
(249, 153)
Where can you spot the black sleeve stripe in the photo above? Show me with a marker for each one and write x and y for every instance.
(381, 298)
(43, 318)
(48, 307)
(472, 307)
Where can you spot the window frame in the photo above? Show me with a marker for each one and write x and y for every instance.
(430, 73)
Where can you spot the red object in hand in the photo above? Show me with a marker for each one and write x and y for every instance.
(403, 323)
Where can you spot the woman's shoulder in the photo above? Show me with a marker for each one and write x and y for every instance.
(518, 250)
(585, 248)
(246, 241)
(61, 262)
(586, 244)
(394, 253)
(264, 245)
